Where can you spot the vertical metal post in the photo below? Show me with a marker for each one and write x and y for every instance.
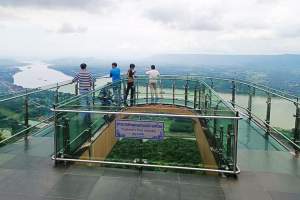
(186, 93)
(233, 92)
(206, 104)
(268, 114)
(229, 143)
(297, 129)
(235, 131)
(160, 98)
(26, 115)
(66, 135)
(221, 147)
(147, 85)
(76, 88)
(215, 122)
(93, 87)
(55, 133)
(249, 110)
(173, 89)
(124, 88)
(222, 136)
(137, 90)
(199, 97)
(210, 98)
(211, 83)
(195, 97)
(56, 94)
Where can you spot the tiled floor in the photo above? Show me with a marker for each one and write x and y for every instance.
(27, 173)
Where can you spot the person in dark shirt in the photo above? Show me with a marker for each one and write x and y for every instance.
(130, 84)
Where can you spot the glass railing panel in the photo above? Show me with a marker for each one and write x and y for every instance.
(73, 130)
(242, 94)
(179, 86)
(12, 117)
(259, 104)
(66, 92)
(180, 142)
(222, 87)
(20, 92)
(28, 113)
(102, 81)
(279, 108)
(221, 135)
(96, 138)
(39, 106)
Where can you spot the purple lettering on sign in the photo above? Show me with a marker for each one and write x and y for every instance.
(152, 130)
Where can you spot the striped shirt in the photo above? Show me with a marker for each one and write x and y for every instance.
(85, 80)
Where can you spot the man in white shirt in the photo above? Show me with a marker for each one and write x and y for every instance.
(153, 76)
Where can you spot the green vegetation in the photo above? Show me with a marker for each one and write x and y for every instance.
(173, 151)
(1, 137)
(182, 125)
(12, 112)
(286, 132)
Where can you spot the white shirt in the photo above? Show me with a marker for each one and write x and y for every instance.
(153, 75)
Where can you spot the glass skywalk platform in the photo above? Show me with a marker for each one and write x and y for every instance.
(269, 168)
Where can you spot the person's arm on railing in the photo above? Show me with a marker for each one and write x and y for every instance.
(75, 79)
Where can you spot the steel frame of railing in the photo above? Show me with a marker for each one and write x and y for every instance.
(235, 170)
(266, 124)
(270, 91)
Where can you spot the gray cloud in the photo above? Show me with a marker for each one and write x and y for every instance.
(56, 4)
(68, 28)
(7, 16)
(182, 19)
(289, 32)
(267, 1)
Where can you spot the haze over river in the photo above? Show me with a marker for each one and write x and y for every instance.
(37, 74)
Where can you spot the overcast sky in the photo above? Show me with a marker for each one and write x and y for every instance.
(60, 28)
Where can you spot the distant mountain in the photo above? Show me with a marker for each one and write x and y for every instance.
(198, 60)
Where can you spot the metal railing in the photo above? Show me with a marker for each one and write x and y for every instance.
(28, 111)
(25, 113)
(205, 107)
(282, 123)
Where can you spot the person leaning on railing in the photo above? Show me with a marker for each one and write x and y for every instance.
(130, 84)
(85, 81)
(153, 77)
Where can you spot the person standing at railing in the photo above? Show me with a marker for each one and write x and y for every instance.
(85, 81)
(153, 77)
(130, 84)
(115, 74)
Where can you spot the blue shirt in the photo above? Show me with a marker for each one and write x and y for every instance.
(115, 74)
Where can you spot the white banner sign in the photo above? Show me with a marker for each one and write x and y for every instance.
(139, 129)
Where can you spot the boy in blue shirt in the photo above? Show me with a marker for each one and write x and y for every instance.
(115, 74)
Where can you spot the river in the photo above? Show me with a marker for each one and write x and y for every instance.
(38, 74)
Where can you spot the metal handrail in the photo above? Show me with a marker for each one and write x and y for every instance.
(177, 77)
(237, 171)
(35, 92)
(144, 114)
(25, 130)
(254, 85)
(274, 129)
